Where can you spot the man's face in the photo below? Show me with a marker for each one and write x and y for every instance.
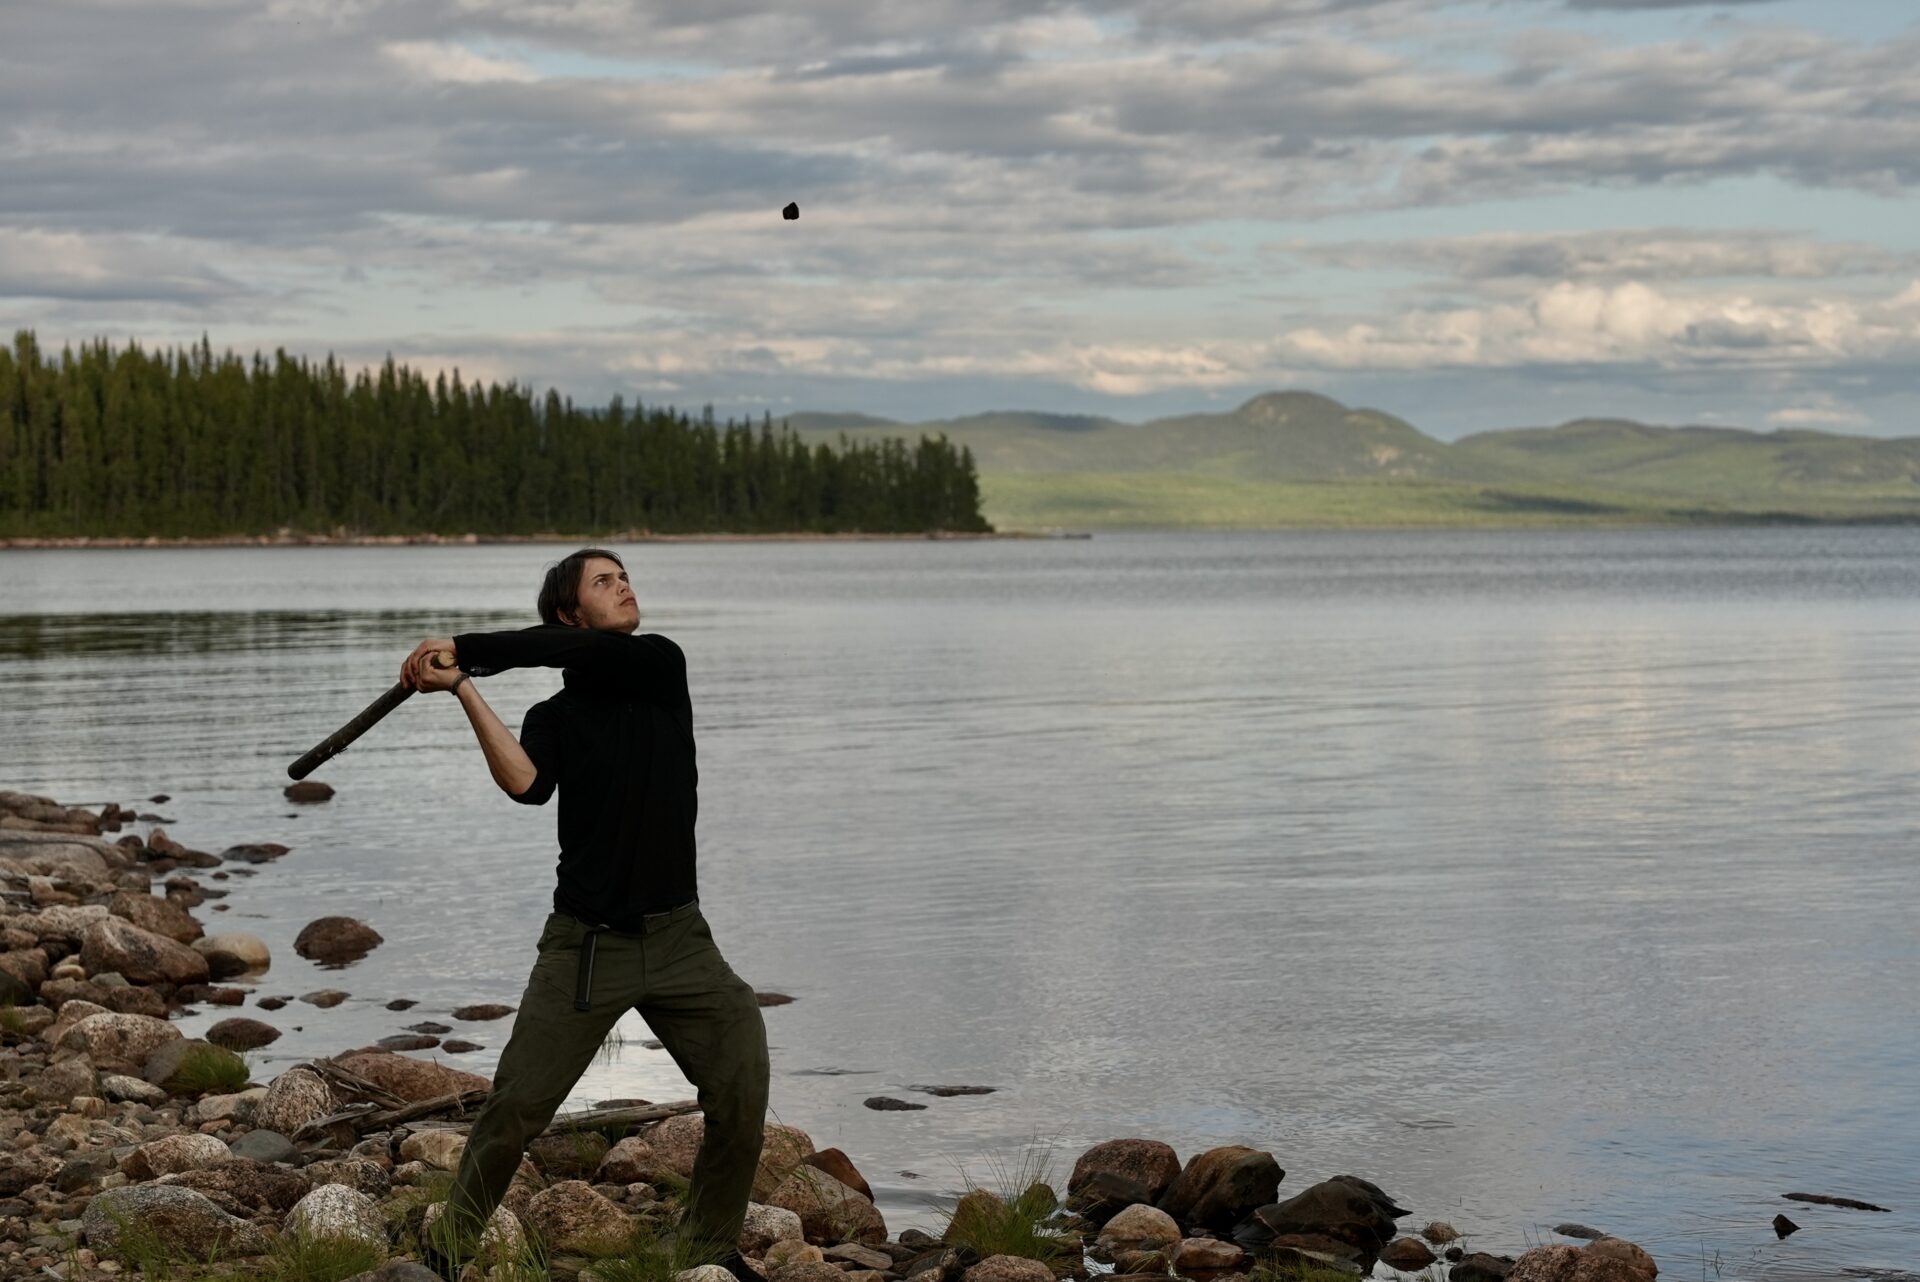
(606, 598)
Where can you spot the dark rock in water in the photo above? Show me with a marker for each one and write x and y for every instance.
(1407, 1254)
(272, 1003)
(326, 998)
(408, 1042)
(1343, 1211)
(209, 994)
(1578, 1230)
(336, 940)
(1147, 1164)
(256, 852)
(402, 1003)
(772, 999)
(1222, 1186)
(1455, 1254)
(243, 1035)
(307, 791)
(159, 799)
(947, 1092)
(653, 1044)
(1824, 1200)
(1480, 1267)
(458, 1047)
(484, 1010)
(1783, 1226)
(888, 1104)
(428, 1026)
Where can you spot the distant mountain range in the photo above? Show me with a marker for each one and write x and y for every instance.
(1294, 457)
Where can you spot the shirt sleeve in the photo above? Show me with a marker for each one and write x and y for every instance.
(538, 736)
(649, 665)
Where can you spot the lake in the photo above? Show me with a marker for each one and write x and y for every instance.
(1536, 876)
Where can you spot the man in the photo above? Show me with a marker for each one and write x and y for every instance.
(626, 932)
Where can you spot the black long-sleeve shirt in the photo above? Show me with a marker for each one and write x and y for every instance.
(617, 741)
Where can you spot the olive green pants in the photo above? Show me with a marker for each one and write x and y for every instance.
(705, 1016)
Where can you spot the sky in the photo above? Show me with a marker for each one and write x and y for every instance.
(1472, 215)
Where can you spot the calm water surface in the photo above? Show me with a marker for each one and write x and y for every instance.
(1536, 876)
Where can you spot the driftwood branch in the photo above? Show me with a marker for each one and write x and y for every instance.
(592, 1119)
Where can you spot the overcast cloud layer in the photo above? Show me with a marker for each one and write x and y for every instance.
(1474, 215)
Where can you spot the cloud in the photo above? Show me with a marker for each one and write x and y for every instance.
(1671, 253)
(65, 265)
(1632, 324)
(448, 63)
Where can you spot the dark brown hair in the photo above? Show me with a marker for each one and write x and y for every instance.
(561, 591)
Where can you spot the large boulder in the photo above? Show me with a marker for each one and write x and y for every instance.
(1139, 1228)
(171, 1154)
(437, 1148)
(336, 1213)
(1554, 1263)
(1151, 1165)
(64, 922)
(1008, 1268)
(155, 915)
(676, 1142)
(114, 944)
(178, 1219)
(63, 1082)
(630, 1161)
(1345, 1216)
(362, 1173)
(112, 1038)
(502, 1238)
(293, 1099)
(829, 1211)
(411, 1079)
(69, 856)
(1220, 1187)
(840, 1167)
(766, 1225)
(571, 1217)
(232, 953)
(245, 1187)
(336, 940)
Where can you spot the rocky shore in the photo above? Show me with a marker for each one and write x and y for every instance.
(129, 1150)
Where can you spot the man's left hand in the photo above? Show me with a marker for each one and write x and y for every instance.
(419, 673)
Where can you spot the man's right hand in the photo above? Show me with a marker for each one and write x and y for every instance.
(408, 669)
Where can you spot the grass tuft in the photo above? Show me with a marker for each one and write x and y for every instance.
(1011, 1219)
(1294, 1271)
(11, 1020)
(209, 1070)
(302, 1257)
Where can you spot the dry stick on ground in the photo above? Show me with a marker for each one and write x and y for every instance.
(355, 1083)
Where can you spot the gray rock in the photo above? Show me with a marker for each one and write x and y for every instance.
(263, 1146)
(117, 1088)
(337, 1213)
(181, 1219)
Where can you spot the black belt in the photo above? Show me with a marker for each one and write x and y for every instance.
(583, 978)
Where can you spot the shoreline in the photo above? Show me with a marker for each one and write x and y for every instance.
(101, 950)
(286, 538)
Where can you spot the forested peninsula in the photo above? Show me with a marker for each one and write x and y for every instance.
(181, 443)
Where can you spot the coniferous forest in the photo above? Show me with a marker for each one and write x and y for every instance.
(181, 443)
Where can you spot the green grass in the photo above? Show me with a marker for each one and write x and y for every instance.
(209, 1069)
(1171, 500)
(1276, 1272)
(1012, 1218)
(300, 1257)
(11, 1020)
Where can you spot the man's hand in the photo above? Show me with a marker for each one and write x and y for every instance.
(419, 672)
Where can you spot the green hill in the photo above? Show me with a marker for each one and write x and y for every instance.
(1297, 458)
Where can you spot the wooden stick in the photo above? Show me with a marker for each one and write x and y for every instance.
(336, 743)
